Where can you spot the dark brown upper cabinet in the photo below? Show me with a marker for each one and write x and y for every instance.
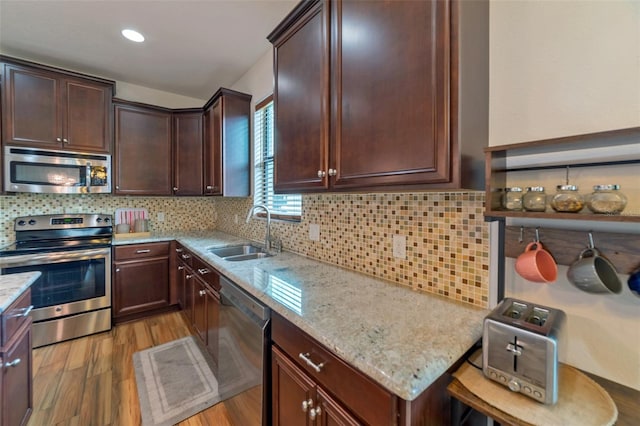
(143, 143)
(226, 144)
(50, 108)
(187, 152)
(381, 95)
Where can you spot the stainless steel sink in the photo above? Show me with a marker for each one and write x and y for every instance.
(237, 253)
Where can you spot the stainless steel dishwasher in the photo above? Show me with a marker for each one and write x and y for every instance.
(243, 356)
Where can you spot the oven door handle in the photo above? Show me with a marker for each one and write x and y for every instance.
(57, 257)
(88, 176)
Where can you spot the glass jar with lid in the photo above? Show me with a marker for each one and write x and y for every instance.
(567, 199)
(607, 199)
(535, 199)
(512, 198)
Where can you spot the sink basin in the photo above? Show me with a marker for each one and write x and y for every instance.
(237, 253)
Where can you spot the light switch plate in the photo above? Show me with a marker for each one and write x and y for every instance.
(160, 217)
(314, 232)
(400, 246)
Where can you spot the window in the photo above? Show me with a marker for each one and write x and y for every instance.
(284, 206)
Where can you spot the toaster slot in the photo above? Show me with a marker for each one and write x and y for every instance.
(516, 310)
(538, 317)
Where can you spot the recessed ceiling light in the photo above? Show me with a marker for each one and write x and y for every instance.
(133, 35)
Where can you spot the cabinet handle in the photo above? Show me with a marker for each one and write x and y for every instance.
(175, 189)
(13, 363)
(321, 173)
(65, 140)
(307, 404)
(117, 269)
(179, 250)
(180, 268)
(58, 139)
(143, 251)
(333, 172)
(209, 187)
(204, 271)
(117, 187)
(22, 312)
(188, 276)
(307, 360)
(186, 256)
(314, 412)
(202, 292)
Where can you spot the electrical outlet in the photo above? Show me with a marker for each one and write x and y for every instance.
(160, 217)
(400, 246)
(235, 219)
(314, 232)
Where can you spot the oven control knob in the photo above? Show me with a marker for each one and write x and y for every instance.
(32, 222)
(21, 223)
(107, 220)
(99, 220)
(514, 385)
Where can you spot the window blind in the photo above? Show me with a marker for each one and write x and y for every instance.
(288, 206)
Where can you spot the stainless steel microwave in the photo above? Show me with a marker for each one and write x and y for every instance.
(58, 172)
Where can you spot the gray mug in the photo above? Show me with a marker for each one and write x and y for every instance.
(593, 273)
(141, 225)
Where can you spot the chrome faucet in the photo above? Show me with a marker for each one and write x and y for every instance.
(267, 236)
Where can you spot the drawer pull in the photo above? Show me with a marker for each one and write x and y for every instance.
(307, 404)
(22, 312)
(13, 363)
(178, 250)
(180, 268)
(202, 292)
(186, 256)
(204, 271)
(143, 251)
(314, 412)
(307, 360)
(188, 276)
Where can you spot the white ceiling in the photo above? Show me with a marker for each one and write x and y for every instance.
(192, 47)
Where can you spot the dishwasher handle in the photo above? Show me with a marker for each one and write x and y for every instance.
(243, 301)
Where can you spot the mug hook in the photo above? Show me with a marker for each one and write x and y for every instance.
(537, 240)
(591, 245)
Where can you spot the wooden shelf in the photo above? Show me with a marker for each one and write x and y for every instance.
(611, 148)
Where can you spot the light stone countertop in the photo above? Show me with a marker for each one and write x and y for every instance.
(402, 339)
(13, 285)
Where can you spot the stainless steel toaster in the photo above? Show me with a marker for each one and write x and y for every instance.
(520, 346)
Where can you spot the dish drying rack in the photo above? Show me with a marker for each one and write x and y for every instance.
(129, 216)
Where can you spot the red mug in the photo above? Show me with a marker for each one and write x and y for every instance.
(536, 264)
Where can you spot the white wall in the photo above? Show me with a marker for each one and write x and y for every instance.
(561, 68)
(133, 92)
(258, 80)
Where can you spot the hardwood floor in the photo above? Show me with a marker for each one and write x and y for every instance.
(91, 381)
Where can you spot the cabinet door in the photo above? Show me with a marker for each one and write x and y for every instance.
(17, 392)
(140, 286)
(213, 149)
(86, 116)
(187, 149)
(213, 322)
(291, 388)
(180, 283)
(390, 93)
(143, 151)
(31, 116)
(200, 308)
(331, 413)
(301, 100)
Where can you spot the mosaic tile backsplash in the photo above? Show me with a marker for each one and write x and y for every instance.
(184, 213)
(447, 238)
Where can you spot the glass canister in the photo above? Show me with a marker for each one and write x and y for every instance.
(567, 199)
(535, 199)
(607, 199)
(512, 198)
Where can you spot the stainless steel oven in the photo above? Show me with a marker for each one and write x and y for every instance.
(72, 297)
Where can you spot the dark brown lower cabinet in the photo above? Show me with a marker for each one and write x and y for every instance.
(16, 392)
(140, 280)
(298, 400)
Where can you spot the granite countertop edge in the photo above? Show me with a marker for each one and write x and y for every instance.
(404, 349)
(13, 285)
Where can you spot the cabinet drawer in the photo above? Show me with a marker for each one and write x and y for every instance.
(183, 254)
(206, 273)
(364, 397)
(14, 316)
(136, 251)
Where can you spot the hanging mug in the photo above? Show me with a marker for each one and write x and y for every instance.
(593, 273)
(536, 264)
